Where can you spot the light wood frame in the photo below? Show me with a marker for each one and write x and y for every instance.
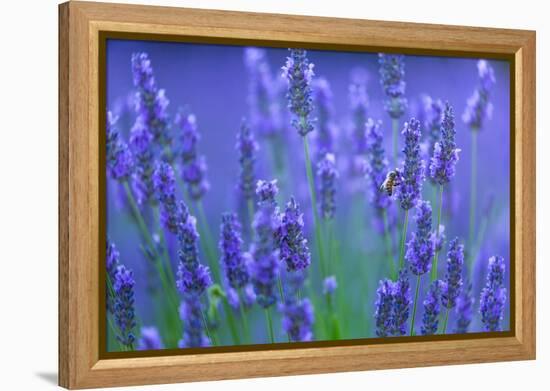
(80, 23)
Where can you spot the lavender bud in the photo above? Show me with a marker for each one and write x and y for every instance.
(247, 148)
(125, 321)
(327, 176)
(164, 183)
(413, 168)
(293, 249)
(329, 285)
(453, 277)
(493, 295)
(325, 128)
(464, 310)
(420, 248)
(299, 73)
(232, 258)
(445, 153)
(392, 75)
(478, 107)
(359, 102)
(120, 162)
(298, 317)
(193, 331)
(432, 308)
(150, 339)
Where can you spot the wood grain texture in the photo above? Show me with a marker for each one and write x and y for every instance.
(79, 165)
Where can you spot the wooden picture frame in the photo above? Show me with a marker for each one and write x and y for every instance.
(80, 27)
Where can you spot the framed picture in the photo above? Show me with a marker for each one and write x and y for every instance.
(247, 195)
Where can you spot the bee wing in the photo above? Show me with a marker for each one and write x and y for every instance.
(383, 185)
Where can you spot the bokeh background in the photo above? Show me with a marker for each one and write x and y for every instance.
(212, 82)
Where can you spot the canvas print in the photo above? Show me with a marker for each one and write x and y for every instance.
(259, 195)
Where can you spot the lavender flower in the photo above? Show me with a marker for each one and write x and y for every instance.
(445, 153)
(377, 165)
(164, 182)
(453, 277)
(261, 93)
(329, 285)
(248, 297)
(325, 129)
(478, 107)
(401, 304)
(493, 295)
(293, 249)
(299, 72)
(266, 192)
(232, 257)
(193, 277)
(392, 75)
(413, 168)
(112, 260)
(438, 238)
(392, 306)
(432, 308)
(193, 165)
(151, 102)
(150, 339)
(264, 269)
(141, 143)
(433, 116)
(192, 317)
(298, 320)
(247, 148)
(384, 306)
(359, 102)
(124, 306)
(420, 248)
(120, 162)
(464, 310)
(327, 176)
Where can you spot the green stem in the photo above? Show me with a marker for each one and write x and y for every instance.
(414, 304)
(395, 138)
(387, 239)
(269, 325)
(210, 336)
(231, 322)
(318, 237)
(445, 322)
(403, 239)
(282, 295)
(436, 253)
(473, 195)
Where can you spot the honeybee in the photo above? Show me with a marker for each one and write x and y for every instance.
(393, 179)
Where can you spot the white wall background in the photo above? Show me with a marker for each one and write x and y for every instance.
(28, 195)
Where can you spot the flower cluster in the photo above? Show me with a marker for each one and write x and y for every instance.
(433, 116)
(298, 318)
(392, 306)
(464, 310)
(420, 249)
(193, 277)
(445, 152)
(193, 165)
(299, 73)
(438, 238)
(329, 285)
(125, 319)
(432, 308)
(413, 168)
(141, 143)
(120, 162)
(479, 108)
(192, 316)
(164, 183)
(453, 276)
(231, 253)
(327, 176)
(493, 295)
(246, 148)
(151, 102)
(150, 339)
(377, 165)
(392, 78)
(264, 269)
(293, 249)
